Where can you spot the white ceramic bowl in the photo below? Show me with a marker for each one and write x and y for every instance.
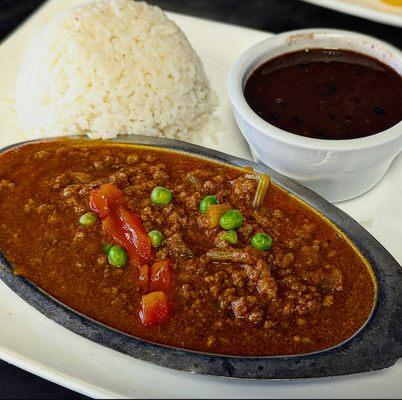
(336, 169)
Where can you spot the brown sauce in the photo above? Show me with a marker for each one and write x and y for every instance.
(326, 94)
(310, 291)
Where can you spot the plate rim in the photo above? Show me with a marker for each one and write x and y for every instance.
(316, 388)
(359, 11)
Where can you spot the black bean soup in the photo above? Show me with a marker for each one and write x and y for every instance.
(326, 94)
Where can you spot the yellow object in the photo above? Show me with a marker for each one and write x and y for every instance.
(393, 2)
(215, 212)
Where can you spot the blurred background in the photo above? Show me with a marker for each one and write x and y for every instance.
(267, 15)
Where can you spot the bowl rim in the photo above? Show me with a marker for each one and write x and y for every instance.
(242, 64)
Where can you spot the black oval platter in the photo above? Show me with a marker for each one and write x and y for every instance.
(376, 346)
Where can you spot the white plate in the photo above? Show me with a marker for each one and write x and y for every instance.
(39, 345)
(375, 10)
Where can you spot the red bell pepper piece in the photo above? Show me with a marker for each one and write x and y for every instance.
(161, 276)
(144, 277)
(154, 308)
(113, 227)
(113, 195)
(134, 232)
(122, 225)
(98, 204)
(105, 199)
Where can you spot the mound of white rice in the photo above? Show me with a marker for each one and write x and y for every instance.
(113, 67)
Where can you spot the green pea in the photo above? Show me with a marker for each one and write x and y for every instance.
(261, 241)
(230, 236)
(106, 247)
(206, 202)
(232, 219)
(117, 256)
(156, 237)
(88, 218)
(161, 196)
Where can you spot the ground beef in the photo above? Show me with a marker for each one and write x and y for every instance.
(225, 297)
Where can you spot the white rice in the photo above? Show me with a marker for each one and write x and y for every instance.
(113, 67)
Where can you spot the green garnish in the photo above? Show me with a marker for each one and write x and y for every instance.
(117, 256)
(261, 241)
(88, 218)
(232, 219)
(161, 196)
(230, 236)
(106, 247)
(156, 237)
(206, 202)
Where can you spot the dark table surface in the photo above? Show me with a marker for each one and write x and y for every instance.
(268, 15)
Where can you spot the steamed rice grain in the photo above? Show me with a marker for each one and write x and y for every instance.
(113, 67)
